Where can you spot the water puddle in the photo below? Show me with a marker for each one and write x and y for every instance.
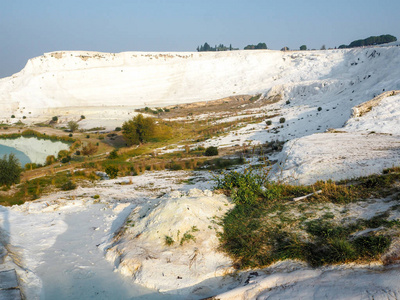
(22, 157)
(30, 149)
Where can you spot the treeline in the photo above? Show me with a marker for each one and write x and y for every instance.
(258, 46)
(372, 40)
(222, 47)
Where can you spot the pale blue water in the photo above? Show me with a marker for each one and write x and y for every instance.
(23, 159)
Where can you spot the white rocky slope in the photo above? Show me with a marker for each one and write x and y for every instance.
(190, 263)
(135, 79)
(368, 143)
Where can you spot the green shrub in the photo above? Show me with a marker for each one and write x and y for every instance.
(175, 167)
(10, 170)
(50, 159)
(118, 128)
(282, 120)
(319, 108)
(211, 151)
(68, 186)
(66, 159)
(113, 154)
(244, 188)
(169, 240)
(112, 171)
(30, 166)
(269, 122)
(62, 153)
(73, 126)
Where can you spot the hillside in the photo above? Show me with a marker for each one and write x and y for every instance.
(133, 79)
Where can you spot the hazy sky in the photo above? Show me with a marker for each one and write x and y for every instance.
(29, 28)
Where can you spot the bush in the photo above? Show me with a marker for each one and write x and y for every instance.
(62, 153)
(12, 116)
(244, 188)
(319, 108)
(112, 171)
(66, 159)
(176, 167)
(169, 240)
(211, 151)
(118, 128)
(68, 186)
(282, 120)
(73, 126)
(89, 149)
(113, 154)
(50, 159)
(30, 166)
(54, 119)
(269, 122)
(10, 170)
(83, 117)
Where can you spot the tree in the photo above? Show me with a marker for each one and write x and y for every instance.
(73, 126)
(285, 49)
(113, 154)
(50, 159)
(89, 149)
(139, 130)
(62, 153)
(372, 40)
(220, 47)
(10, 170)
(303, 47)
(112, 171)
(323, 47)
(258, 46)
(211, 151)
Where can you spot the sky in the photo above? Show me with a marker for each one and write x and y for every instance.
(30, 28)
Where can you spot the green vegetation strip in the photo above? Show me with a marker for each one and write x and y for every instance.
(262, 228)
(33, 133)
